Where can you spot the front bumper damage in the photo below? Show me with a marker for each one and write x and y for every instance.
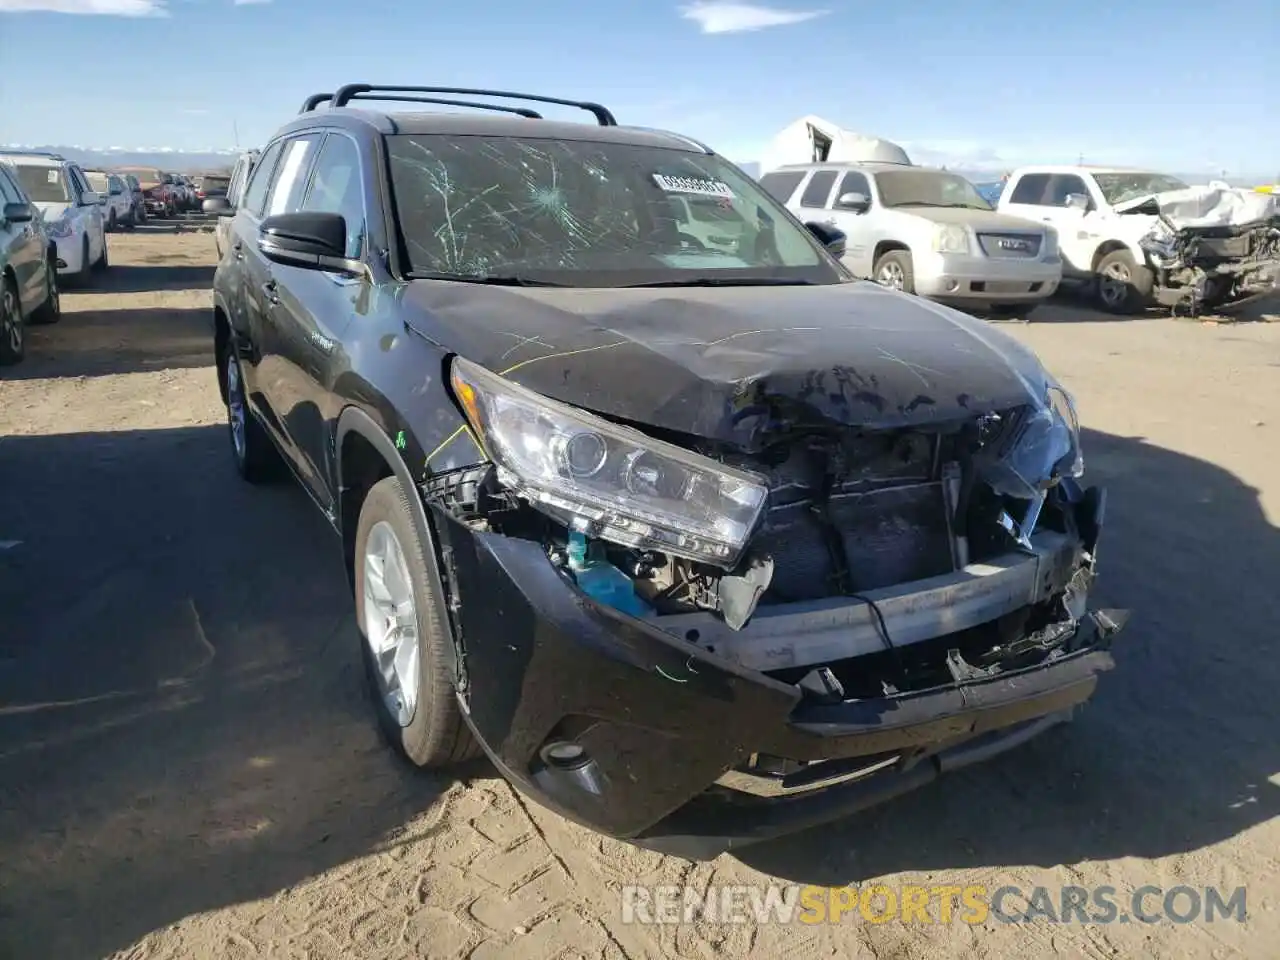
(1220, 268)
(678, 733)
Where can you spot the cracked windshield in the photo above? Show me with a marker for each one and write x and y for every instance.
(584, 214)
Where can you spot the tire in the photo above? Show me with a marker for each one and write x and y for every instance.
(13, 333)
(430, 731)
(893, 269)
(112, 226)
(1121, 286)
(81, 277)
(256, 458)
(102, 262)
(51, 310)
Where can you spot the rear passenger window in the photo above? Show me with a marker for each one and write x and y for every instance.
(1030, 189)
(336, 188)
(255, 197)
(291, 178)
(818, 189)
(781, 186)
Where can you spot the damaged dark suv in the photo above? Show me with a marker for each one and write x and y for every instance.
(700, 539)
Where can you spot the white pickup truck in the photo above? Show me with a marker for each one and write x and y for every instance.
(1139, 238)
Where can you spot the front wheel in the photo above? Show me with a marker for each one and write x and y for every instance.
(102, 262)
(81, 277)
(406, 636)
(13, 334)
(1123, 287)
(893, 270)
(51, 310)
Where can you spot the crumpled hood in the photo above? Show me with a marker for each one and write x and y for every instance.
(735, 364)
(1204, 206)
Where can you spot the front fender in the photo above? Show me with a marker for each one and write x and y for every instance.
(355, 420)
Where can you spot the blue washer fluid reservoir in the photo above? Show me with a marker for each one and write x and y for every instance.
(601, 580)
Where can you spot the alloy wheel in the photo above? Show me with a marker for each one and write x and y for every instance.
(1113, 284)
(391, 622)
(11, 320)
(235, 405)
(891, 275)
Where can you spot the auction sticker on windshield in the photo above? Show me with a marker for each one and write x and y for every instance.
(705, 188)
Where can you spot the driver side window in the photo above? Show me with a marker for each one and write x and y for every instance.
(337, 187)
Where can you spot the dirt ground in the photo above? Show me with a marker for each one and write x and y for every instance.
(188, 768)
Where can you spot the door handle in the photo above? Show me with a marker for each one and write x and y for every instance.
(269, 291)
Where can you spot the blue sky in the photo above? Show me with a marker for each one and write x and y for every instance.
(991, 82)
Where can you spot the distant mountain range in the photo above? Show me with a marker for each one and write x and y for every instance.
(175, 161)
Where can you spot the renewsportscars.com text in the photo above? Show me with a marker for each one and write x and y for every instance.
(972, 904)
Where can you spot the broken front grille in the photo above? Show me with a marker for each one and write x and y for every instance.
(880, 537)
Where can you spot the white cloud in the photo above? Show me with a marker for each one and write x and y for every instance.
(724, 16)
(110, 8)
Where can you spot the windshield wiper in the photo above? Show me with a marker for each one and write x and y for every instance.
(497, 281)
(725, 282)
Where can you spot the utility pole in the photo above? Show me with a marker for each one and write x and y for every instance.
(1080, 160)
(235, 129)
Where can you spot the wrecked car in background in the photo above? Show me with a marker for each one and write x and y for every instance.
(701, 545)
(1142, 239)
(1210, 247)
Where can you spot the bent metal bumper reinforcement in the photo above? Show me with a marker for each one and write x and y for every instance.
(837, 628)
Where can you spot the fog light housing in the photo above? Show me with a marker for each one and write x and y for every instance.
(564, 754)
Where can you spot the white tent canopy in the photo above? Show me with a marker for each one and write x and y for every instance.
(812, 139)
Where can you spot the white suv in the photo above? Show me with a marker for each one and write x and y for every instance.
(71, 210)
(925, 231)
(116, 198)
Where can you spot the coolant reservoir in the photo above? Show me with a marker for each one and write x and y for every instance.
(600, 580)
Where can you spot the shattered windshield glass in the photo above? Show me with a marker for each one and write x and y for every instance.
(1119, 187)
(588, 214)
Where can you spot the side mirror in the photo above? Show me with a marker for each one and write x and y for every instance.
(219, 206)
(830, 237)
(857, 202)
(313, 241)
(116, 191)
(1079, 202)
(18, 213)
(91, 198)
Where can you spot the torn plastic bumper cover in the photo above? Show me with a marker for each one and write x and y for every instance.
(630, 728)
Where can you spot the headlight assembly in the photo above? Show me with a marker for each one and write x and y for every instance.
(951, 238)
(1050, 249)
(1045, 449)
(630, 488)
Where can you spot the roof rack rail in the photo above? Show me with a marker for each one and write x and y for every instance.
(49, 154)
(346, 93)
(316, 99)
